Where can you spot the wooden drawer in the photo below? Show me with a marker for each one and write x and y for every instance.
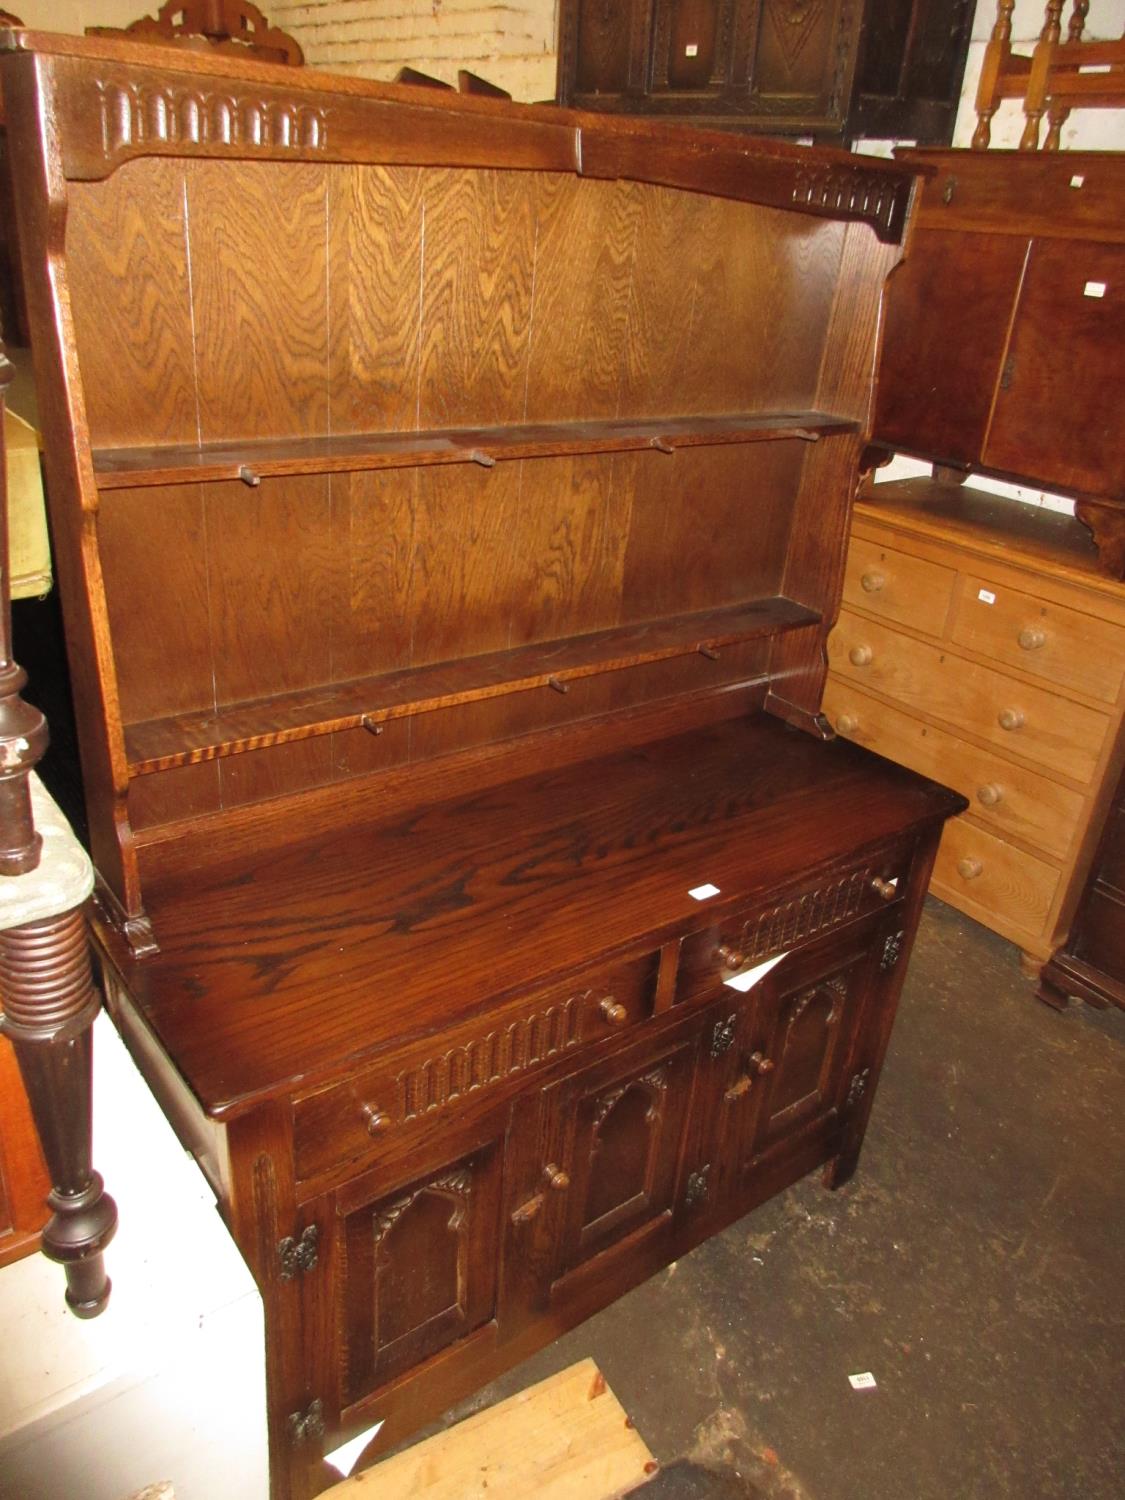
(1062, 645)
(350, 1119)
(1011, 798)
(894, 585)
(744, 938)
(986, 877)
(1017, 717)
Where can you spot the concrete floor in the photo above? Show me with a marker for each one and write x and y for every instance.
(975, 1265)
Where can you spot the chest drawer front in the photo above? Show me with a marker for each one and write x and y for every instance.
(1011, 798)
(744, 938)
(979, 873)
(351, 1119)
(1051, 641)
(1016, 717)
(895, 586)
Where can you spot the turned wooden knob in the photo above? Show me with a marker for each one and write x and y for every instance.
(989, 794)
(1031, 638)
(556, 1177)
(969, 869)
(760, 1063)
(860, 656)
(847, 723)
(1010, 718)
(872, 581)
(884, 888)
(730, 956)
(614, 1013)
(374, 1119)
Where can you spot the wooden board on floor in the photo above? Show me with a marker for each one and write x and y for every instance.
(567, 1438)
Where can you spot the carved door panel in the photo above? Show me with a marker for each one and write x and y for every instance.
(417, 1263)
(605, 44)
(612, 1139)
(691, 47)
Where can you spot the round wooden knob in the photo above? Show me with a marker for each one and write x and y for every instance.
(556, 1177)
(760, 1063)
(969, 869)
(1010, 718)
(374, 1119)
(884, 888)
(847, 723)
(730, 956)
(614, 1013)
(860, 656)
(990, 794)
(872, 581)
(1031, 638)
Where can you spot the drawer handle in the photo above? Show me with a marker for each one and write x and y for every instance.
(737, 1089)
(969, 869)
(614, 1013)
(375, 1120)
(759, 1063)
(1010, 718)
(1031, 638)
(847, 723)
(860, 656)
(730, 956)
(884, 888)
(556, 1178)
(990, 794)
(873, 581)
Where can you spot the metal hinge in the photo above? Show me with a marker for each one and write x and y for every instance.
(1008, 373)
(858, 1087)
(697, 1187)
(298, 1256)
(722, 1037)
(307, 1424)
(892, 950)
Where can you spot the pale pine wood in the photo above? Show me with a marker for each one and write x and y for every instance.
(901, 588)
(1002, 886)
(567, 1438)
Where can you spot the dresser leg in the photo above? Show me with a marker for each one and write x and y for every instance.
(1030, 966)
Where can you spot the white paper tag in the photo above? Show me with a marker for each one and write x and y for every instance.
(691, 50)
(986, 596)
(863, 1382)
(1094, 289)
(703, 892)
(749, 977)
(1077, 180)
(344, 1458)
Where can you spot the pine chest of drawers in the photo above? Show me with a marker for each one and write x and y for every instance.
(979, 643)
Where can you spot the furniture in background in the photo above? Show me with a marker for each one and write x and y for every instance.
(235, 27)
(1005, 328)
(1091, 963)
(1058, 76)
(981, 644)
(782, 67)
(449, 649)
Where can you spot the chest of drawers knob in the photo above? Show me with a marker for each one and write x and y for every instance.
(759, 1063)
(556, 1178)
(847, 723)
(730, 956)
(614, 1013)
(969, 869)
(1010, 718)
(872, 581)
(375, 1120)
(860, 656)
(989, 794)
(1031, 638)
(884, 888)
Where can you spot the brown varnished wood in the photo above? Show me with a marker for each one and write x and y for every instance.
(24, 1183)
(233, 26)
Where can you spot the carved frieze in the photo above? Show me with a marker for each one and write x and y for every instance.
(814, 911)
(139, 113)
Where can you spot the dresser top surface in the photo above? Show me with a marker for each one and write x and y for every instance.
(274, 971)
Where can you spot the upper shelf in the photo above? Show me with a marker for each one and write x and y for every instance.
(252, 460)
(185, 739)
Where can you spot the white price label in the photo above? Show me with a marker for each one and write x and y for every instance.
(691, 50)
(703, 892)
(986, 596)
(1094, 289)
(863, 1382)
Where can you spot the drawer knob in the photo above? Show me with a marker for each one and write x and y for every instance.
(860, 656)
(990, 794)
(730, 956)
(884, 888)
(1011, 718)
(969, 869)
(374, 1119)
(847, 723)
(556, 1178)
(614, 1013)
(872, 581)
(1031, 638)
(760, 1063)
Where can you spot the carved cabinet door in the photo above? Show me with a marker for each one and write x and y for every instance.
(605, 1175)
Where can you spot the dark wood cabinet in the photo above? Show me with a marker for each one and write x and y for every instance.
(450, 502)
(785, 67)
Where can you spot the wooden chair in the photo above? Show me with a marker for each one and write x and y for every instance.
(1058, 76)
(233, 26)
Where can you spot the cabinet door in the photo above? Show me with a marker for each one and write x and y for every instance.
(609, 1165)
(691, 45)
(417, 1262)
(603, 51)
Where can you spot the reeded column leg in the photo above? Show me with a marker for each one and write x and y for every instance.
(49, 1007)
